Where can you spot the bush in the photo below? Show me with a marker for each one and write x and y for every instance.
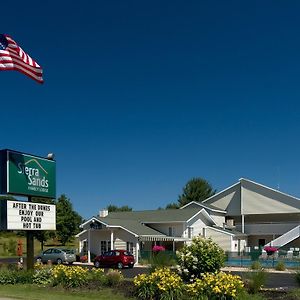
(201, 256)
(256, 280)
(42, 274)
(161, 284)
(113, 278)
(220, 285)
(161, 259)
(12, 246)
(256, 265)
(297, 276)
(280, 266)
(14, 277)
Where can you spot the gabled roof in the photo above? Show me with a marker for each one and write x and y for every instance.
(155, 216)
(136, 222)
(204, 205)
(248, 197)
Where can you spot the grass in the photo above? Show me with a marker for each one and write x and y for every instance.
(5, 237)
(33, 292)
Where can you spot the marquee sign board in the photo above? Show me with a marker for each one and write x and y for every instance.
(19, 215)
(28, 175)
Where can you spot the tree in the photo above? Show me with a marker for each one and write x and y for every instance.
(114, 208)
(43, 235)
(172, 206)
(67, 220)
(196, 189)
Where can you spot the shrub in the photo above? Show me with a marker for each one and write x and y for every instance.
(220, 285)
(256, 280)
(201, 256)
(297, 276)
(161, 284)
(12, 246)
(42, 274)
(256, 265)
(161, 259)
(113, 278)
(14, 277)
(280, 266)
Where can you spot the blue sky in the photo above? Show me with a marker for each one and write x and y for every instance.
(141, 96)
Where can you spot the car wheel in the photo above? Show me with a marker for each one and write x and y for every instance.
(58, 261)
(97, 264)
(130, 266)
(120, 265)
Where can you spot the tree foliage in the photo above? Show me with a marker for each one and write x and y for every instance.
(114, 208)
(67, 220)
(43, 235)
(196, 189)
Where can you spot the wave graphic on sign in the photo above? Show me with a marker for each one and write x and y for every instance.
(34, 160)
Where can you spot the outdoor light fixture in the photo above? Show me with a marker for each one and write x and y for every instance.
(50, 156)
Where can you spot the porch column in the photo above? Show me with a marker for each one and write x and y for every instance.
(243, 224)
(112, 239)
(173, 246)
(89, 245)
(137, 252)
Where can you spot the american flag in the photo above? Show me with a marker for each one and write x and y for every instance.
(12, 57)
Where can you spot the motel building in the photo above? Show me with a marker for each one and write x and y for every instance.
(242, 217)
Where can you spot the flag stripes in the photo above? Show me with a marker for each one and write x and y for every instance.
(13, 57)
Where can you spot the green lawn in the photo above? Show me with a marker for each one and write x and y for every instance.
(33, 292)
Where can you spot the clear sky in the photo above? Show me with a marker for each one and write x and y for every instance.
(141, 96)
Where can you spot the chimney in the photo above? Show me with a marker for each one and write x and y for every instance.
(230, 223)
(103, 213)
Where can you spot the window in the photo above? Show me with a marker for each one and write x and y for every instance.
(105, 246)
(171, 231)
(190, 232)
(129, 247)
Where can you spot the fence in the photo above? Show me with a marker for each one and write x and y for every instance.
(245, 259)
(291, 259)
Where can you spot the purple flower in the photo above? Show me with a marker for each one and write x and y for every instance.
(157, 248)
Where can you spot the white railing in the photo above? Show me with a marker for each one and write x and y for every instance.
(285, 238)
(267, 228)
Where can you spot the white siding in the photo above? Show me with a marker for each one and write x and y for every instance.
(219, 218)
(222, 239)
(260, 200)
(228, 200)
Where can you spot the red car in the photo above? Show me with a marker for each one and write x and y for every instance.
(115, 258)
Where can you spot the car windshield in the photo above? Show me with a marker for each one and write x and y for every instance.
(126, 253)
(68, 251)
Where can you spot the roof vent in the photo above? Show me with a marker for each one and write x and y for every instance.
(103, 213)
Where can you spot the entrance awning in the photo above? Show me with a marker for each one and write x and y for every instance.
(151, 238)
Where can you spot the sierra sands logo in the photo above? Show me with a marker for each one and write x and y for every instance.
(36, 176)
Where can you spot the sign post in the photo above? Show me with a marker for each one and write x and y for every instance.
(30, 247)
(32, 176)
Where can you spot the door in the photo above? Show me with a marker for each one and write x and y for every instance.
(261, 243)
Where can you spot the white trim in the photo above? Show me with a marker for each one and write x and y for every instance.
(217, 194)
(158, 222)
(203, 211)
(91, 220)
(266, 187)
(222, 231)
(204, 206)
(107, 225)
(80, 233)
(117, 226)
